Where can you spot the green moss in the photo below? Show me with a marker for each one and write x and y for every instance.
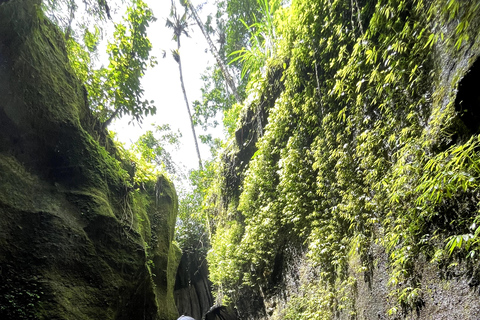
(68, 213)
(163, 253)
(94, 202)
(141, 203)
(49, 88)
(174, 257)
(21, 189)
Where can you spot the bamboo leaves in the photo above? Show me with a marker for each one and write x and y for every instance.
(347, 155)
(457, 169)
(262, 40)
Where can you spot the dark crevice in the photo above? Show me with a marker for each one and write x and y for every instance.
(467, 102)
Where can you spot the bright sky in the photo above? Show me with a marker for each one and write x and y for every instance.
(162, 84)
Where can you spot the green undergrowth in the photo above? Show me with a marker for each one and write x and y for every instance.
(364, 145)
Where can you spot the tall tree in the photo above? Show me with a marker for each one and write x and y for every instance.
(230, 21)
(213, 49)
(179, 24)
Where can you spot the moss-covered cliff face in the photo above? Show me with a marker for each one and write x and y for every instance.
(76, 241)
(352, 191)
(193, 296)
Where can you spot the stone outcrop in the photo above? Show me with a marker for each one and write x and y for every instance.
(77, 241)
(193, 295)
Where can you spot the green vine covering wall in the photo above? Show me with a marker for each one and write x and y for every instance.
(368, 144)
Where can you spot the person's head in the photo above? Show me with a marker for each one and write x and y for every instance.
(185, 318)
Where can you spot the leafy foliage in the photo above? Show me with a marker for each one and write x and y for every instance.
(356, 150)
(116, 90)
(215, 99)
(192, 227)
(261, 43)
(232, 35)
(178, 23)
(154, 150)
(66, 13)
(232, 17)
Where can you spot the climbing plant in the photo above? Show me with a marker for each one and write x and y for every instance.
(357, 150)
(261, 43)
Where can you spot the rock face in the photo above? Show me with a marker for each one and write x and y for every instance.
(75, 241)
(193, 289)
(193, 295)
(287, 288)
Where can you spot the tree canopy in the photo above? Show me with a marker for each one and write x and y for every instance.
(116, 90)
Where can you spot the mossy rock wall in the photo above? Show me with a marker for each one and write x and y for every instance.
(192, 293)
(76, 242)
(322, 209)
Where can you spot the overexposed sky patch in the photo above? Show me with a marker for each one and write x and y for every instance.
(162, 84)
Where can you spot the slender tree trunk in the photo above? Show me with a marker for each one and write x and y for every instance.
(110, 119)
(179, 61)
(70, 20)
(213, 49)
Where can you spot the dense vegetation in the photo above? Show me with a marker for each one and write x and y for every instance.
(363, 146)
(350, 137)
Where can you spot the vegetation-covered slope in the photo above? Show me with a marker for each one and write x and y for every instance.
(352, 190)
(80, 238)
